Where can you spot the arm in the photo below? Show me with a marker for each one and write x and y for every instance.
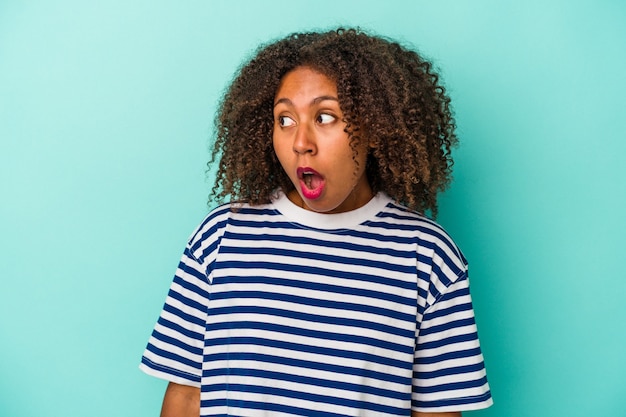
(419, 414)
(181, 401)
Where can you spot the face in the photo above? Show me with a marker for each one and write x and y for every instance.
(312, 147)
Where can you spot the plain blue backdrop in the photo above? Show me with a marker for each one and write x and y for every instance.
(106, 113)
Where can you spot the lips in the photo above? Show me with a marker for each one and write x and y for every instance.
(311, 182)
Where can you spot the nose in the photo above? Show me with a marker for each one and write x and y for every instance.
(304, 140)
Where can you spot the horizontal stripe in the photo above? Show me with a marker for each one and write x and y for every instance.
(449, 341)
(300, 395)
(317, 302)
(320, 319)
(310, 366)
(270, 375)
(450, 371)
(453, 386)
(320, 335)
(456, 354)
(343, 244)
(317, 349)
(187, 317)
(322, 257)
(448, 325)
(176, 342)
(267, 406)
(310, 270)
(452, 401)
(167, 354)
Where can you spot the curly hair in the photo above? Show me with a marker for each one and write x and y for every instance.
(390, 96)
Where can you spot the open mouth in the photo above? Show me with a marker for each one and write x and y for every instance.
(311, 182)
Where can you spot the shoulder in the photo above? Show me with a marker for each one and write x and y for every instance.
(442, 270)
(439, 261)
(207, 236)
(429, 233)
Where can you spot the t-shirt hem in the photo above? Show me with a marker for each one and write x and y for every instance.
(458, 407)
(167, 376)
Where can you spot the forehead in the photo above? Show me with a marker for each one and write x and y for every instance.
(305, 81)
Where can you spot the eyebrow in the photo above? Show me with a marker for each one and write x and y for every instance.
(316, 100)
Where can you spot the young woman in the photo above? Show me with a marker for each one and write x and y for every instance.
(321, 289)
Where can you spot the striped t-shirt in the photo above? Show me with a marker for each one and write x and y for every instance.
(280, 311)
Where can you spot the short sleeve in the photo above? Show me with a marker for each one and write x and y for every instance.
(448, 370)
(174, 351)
(175, 348)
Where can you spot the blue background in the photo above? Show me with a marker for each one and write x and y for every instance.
(106, 110)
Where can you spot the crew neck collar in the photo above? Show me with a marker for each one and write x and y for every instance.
(317, 220)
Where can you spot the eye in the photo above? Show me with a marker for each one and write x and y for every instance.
(285, 121)
(324, 118)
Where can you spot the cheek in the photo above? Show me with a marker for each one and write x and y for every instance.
(276, 145)
(281, 152)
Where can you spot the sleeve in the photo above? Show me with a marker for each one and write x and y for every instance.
(448, 369)
(174, 351)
